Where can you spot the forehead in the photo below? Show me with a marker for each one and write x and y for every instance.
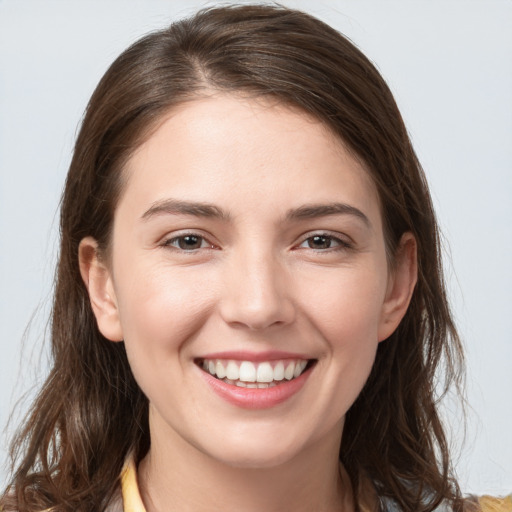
(245, 151)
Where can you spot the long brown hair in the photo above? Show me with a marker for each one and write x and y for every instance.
(90, 412)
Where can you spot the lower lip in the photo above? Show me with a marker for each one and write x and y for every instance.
(251, 398)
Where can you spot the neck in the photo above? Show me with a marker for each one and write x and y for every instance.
(176, 476)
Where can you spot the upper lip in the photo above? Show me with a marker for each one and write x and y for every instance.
(242, 355)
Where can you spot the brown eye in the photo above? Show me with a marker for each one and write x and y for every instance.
(324, 242)
(320, 242)
(187, 242)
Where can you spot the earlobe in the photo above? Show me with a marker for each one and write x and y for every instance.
(400, 286)
(98, 281)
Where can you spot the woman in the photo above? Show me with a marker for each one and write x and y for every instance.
(249, 307)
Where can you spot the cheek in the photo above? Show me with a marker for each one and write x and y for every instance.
(159, 311)
(346, 304)
(346, 312)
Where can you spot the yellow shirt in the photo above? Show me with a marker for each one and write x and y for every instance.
(132, 502)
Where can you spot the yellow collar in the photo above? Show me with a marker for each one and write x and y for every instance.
(132, 502)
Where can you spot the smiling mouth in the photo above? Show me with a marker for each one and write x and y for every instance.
(261, 375)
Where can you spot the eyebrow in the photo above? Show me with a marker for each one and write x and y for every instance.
(322, 210)
(177, 207)
(208, 210)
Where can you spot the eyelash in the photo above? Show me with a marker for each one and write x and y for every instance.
(176, 239)
(340, 244)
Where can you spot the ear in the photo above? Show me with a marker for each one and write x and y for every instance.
(99, 284)
(401, 283)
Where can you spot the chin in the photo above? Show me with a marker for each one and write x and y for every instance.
(256, 460)
(251, 454)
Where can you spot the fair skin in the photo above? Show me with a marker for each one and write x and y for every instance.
(247, 233)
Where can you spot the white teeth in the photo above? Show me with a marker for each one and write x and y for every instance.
(290, 370)
(265, 373)
(232, 371)
(254, 375)
(279, 371)
(219, 370)
(247, 372)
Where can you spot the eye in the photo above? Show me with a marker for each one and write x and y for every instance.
(323, 241)
(188, 242)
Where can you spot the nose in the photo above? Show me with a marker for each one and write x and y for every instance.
(257, 293)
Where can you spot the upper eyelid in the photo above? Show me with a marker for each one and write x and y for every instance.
(186, 232)
(325, 232)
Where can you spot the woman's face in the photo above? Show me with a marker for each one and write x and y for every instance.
(248, 278)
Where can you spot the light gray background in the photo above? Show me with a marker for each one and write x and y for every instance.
(449, 64)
